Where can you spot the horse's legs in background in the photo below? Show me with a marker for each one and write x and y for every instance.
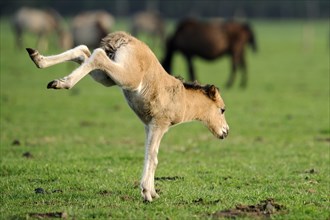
(42, 43)
(232, 75)
(242, 66)
(191, 68)
(18, 37)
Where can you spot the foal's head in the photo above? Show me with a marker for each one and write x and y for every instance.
(213, 109)
(215, 120)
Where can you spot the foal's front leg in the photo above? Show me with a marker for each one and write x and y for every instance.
(154, 135)
(78, 54)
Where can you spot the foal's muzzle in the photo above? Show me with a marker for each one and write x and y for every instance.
(224, 132)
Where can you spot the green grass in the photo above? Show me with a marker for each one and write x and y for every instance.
(88, 146)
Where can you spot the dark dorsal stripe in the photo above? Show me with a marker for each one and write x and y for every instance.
(205, 89)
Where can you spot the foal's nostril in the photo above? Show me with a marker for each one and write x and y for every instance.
(225, 132)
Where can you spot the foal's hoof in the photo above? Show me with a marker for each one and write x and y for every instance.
(148, 196)
(55, 84)
(36, 58)
(31, 51)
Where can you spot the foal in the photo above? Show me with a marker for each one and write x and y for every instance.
(157, 98)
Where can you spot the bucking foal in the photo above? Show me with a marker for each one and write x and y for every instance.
(158, 99)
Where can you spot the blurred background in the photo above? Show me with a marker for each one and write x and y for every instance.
(70, 23)
(279, 118)
(177, 9)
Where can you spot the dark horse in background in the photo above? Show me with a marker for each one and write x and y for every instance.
(210, 40)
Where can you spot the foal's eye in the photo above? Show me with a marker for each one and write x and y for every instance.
(222, 110)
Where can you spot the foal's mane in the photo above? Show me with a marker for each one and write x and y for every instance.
(207, 89)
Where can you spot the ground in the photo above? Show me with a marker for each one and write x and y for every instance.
(78, 154)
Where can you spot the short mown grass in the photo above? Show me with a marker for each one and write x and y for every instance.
(84, 148)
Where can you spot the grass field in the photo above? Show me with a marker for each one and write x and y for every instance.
(79, 153)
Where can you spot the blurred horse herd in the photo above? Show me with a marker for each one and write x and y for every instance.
(207, 39)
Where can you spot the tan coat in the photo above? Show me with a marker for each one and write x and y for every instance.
(158, 99)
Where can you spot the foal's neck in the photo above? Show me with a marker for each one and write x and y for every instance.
(196, 105)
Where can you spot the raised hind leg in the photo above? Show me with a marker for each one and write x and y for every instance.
(122, 74)
(78, 54)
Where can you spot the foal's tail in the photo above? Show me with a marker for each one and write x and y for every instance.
(252, 39)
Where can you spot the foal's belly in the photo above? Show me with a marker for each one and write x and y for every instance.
(101, 77)
(138, 105)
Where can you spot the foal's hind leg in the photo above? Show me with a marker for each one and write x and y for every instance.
(101, 68)
(78, 54)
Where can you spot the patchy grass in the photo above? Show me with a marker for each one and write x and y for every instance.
(79, 154)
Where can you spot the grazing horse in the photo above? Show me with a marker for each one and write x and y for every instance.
(89, 27)
(41, 23)
(210, 40)
(157, 98)
(150, 23)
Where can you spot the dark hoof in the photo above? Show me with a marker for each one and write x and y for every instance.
(52, 85)
(31, 51)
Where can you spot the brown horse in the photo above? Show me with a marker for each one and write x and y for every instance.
(89, 27)
(150, 23)
(41, 23)
(210, 40)
(158, 99)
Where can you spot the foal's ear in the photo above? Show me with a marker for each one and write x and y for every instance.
(212, 92)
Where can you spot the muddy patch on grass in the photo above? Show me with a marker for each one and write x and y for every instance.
(27, 155)
(16, 142)
(265, 209)
(169, 178)
(43, 191)
(201, 201)
(62, 215)
(323, 139)
(105, 193)
(311, 171)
